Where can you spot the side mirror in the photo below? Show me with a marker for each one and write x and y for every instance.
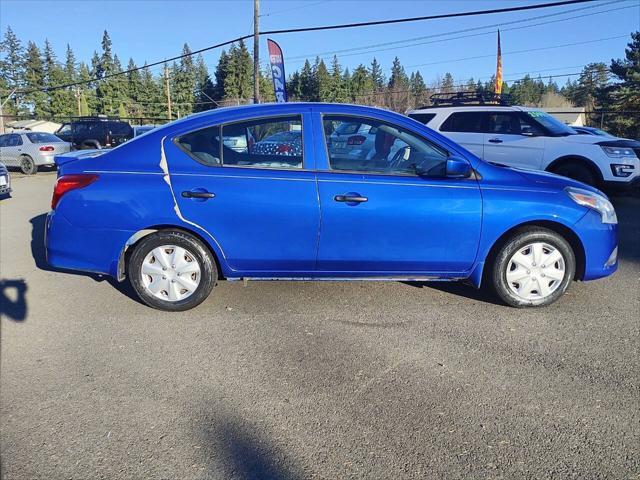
(458, 168)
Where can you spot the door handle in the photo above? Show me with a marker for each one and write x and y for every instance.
(495, 140)
(197, 194)
(348, 198)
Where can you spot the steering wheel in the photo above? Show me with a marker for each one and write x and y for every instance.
(398, 158)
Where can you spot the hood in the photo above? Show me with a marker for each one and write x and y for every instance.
(77, 155)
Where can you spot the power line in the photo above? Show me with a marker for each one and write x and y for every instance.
(465, 30)
(321, 28)
(299, 7)
(518, 51)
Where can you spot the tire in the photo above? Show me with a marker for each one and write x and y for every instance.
(521, 282)
(27, 165)
(159, 284)
(90, 145)
(579, 171)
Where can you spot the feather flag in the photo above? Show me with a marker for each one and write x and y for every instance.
(498, 85)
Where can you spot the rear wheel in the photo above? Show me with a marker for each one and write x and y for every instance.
(533, 268)
(578, 171)
(27, 165)
(172, 271)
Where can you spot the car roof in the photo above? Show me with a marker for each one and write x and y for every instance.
(473, 108)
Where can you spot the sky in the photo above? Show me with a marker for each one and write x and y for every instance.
(151, 30)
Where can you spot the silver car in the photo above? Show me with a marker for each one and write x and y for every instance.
(30, 150)
(5, 180)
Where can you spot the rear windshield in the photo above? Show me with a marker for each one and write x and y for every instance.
(40, 137)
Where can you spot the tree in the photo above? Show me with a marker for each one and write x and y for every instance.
(307, 82)
(322, 81)
(183, 85)
(205, 90)
(624, 94)
(222, 70)
(377, 76)
(11, 69)
(418, 89)
(36, 100)
(399, 96)
(593, 78)
(448, 84)
(336, 91)
(70, 65)
(361, 85)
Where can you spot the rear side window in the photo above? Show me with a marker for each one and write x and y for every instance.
(3, 140)
(40, 137)
(422, 117)
(463, 122)
(14, 140)
(260, 143)
(120, 128)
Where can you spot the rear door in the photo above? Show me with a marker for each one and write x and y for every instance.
(465, 128)
(13, 149)
(261, 206)
(512, 139)
(3, 145)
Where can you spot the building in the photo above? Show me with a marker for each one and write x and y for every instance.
(575, 116)
(32, 125)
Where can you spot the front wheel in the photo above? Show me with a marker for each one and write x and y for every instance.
(172, 271)
(27, 165)
(578, 171)
(533, 268)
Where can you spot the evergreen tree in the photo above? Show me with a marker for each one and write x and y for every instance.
(151, 95)
(134, 91)
(294, 86)
(399, 96)
(361, 84)
(448, 84)
(205, 90)
(593, 78)
(336, 91)
(418, 89)
(307, 82)
(36, 101)
(377, 76)
(222, 70)
(624, 94)
(11, 69)
(322, 81)
(70, 65)
(183, 85)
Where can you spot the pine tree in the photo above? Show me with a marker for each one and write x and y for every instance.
(336, 91)
(307, 82)
(361, 85)
(222, 70)
(36, 101)
(11, 69)
(322, 81)
(70, 65)
(183, 85)
(418, 89)
(448, 84)
(624, 94)
(377, 76)
(205, 90)
(151, 96)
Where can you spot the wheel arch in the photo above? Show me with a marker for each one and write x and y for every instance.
(576, 158)
(134, 239)
(479, 273)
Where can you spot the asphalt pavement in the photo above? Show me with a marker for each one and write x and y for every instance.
(288, 380)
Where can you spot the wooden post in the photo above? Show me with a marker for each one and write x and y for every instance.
(166, 81)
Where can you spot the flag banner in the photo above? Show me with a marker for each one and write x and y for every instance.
(498, 86)
(277, 71)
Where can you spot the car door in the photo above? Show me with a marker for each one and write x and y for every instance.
(379, 217)
(260, 204)
(465, 128)
(12, 150)
(511, 139)
(3, 145)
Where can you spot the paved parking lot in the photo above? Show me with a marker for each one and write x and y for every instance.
(325, 380)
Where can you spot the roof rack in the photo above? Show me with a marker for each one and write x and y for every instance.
(96, 117)
(469, 98)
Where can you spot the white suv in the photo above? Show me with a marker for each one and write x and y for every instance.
(531, 138)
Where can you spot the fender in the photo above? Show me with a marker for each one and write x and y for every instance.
(578, 158)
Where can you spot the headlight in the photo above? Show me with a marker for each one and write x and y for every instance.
(594, 201)
(618, 152)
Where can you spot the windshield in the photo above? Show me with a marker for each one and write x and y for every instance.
(555, 126)
(41, 137)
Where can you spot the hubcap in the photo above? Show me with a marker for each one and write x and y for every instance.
(535, 271)
(170, 273)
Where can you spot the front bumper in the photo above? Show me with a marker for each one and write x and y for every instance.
(6, 188)
(620, 186)
(600, 242)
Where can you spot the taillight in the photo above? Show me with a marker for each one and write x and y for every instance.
(356, 140)
(46, 148)
(66, 183)
(283, 148)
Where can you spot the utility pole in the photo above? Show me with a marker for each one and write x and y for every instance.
(166, 81)
(256, 51)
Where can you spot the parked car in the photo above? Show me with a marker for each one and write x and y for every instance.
(5, 180)
(353, 140)
(287, 143)
(175, 211)
(531, 138)
(30, 150)
(96, 132)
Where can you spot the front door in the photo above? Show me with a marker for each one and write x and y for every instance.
(393, 212)
(513, 140)
(258, 200)
(465, 128)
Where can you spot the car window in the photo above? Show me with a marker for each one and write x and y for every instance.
(383, 149)
(65, 129)
(14, 140)
(422, 117)
(470, 122)
(42, 137)
(261, 143)
(119, 128)
(511, 123)
(3, 140)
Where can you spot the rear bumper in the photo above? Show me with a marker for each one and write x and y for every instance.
(43, 160)
(93, 250)
(600, 242)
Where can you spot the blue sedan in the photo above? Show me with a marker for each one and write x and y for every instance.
(177, 210)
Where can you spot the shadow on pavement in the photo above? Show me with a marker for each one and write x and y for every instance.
(13, 299)
(39, 254)
(245, 454)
